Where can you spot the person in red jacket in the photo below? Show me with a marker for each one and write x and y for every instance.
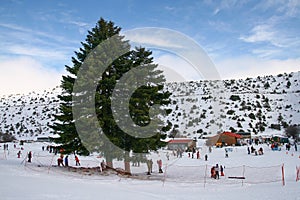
(159, 162)
(198, 155)
(19, 154)
(77, 161)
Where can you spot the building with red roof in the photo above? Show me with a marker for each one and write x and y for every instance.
(181, 143)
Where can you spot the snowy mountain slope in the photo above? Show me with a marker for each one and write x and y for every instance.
(257, 105)
(28, 115)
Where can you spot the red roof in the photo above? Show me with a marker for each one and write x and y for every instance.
(232, 134)
(176, 141)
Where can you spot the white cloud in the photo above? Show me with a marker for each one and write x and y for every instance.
(35, 33)
(289, 8)
(148, 37)
(248, 66)
(24, 74)
(264, 33)
(170, 8)
(292, 7)
(226, 5)
(175, 43)
(37, 52)
(216, 11)
(266, 53)
(177, 69)
(82, 26)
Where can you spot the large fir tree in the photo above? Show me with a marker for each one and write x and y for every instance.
(140, 102)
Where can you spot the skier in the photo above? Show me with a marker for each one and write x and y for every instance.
(260, 151)
(19, 154)
(226, 153)
(222, 170)
(252, 149)
(205, 157)
(67, 161)
(198, 155)
(212, 172)
(102, 165)
(168, 156)
(159, 163)
(60, 160)
(77, 161)
(149, 165)
(29, 156)
(217, 171)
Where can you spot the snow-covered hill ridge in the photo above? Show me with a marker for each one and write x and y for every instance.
(257, 105)
(262, 105)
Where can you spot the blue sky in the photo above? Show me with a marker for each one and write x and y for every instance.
(245, 38)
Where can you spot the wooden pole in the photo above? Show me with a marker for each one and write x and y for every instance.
(282, 174)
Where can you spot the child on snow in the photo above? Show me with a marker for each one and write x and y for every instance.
(77, 163)
(159, 162)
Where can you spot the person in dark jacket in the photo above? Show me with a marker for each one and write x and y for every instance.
(67, 161)
(29, 156)
(205, 157)
(222, 170)
(217, 171)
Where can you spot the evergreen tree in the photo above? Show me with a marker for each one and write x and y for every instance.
(142, 99)
(293, 131)
(64, 125)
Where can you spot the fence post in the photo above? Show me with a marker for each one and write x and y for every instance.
(49, 167)
(5, 158)
(282, 174)
(243, 175)
(205, 175)
(297, 173)
(165, 174)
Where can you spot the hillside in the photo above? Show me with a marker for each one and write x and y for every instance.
(28, 115)
(262, 105)
(257, 105)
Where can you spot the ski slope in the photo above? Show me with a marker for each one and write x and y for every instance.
(181, 179)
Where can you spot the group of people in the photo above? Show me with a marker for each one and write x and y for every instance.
(191, 154)
(150, 166)
(178, 153)
(64, 161)
(260, 151)
(217, 171)
(5, 147)
(288, 146)
(29, 155)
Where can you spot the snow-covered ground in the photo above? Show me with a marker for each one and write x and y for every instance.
(183, 178)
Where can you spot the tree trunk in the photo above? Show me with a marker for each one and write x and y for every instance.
(127, 162)
(109, 162)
